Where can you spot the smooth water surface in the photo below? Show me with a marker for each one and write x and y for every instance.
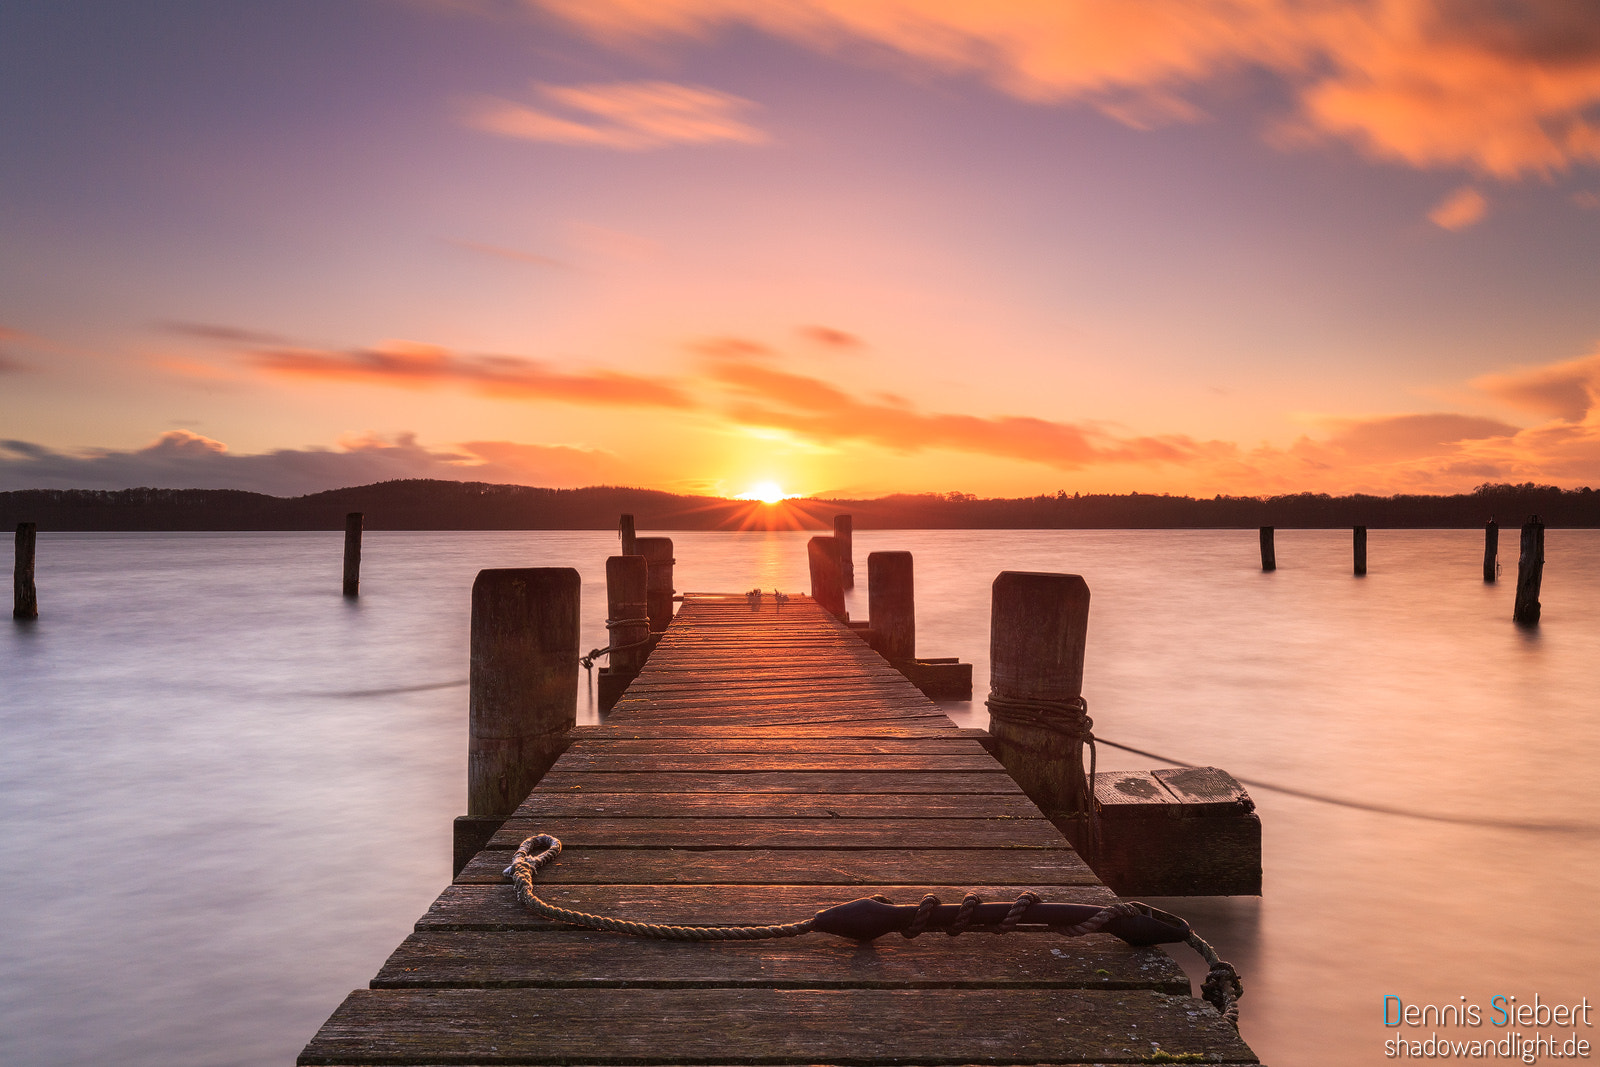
(227, 791)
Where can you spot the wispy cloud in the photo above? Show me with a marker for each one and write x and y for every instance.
(829, 337)
(1504, 89)
(1463, 208)
(180, 459)
(407, 364)
(513, 255)
(631, 116)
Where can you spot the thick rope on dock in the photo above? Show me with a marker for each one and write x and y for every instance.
(1222, 987)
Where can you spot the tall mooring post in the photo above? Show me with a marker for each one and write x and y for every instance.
(827, 582)
(892, 605)
(1530, 572)
(352, 554)
(657, 552)
(1269, 557)
(844, 534)
(1037, 629)
(24, 595)
(628, 629)
(625, 532)
(523, 692)
(1491, 551)
(1360, 545)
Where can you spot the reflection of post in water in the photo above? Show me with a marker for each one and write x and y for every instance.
(1530, 572)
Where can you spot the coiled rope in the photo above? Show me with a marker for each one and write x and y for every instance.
(1222, 987)
(1067, 717)
(614, 624)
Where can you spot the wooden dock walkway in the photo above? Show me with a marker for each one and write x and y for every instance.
(764, 765)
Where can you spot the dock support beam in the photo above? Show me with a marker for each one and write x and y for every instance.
(827, 582)
(1037, 629)
(1360, 540)
(352, 554)
(625, 532)
(1269, 556)
(523, 692)
(1491, 551)
(1530, 573)
(657, 552)
(627, 599)
(843, 533)
(25, 596)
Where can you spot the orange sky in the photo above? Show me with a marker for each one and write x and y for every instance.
(847, 246)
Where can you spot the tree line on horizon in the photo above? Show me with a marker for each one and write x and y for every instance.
(420, 504)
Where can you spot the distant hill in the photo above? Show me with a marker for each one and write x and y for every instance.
(441, 505)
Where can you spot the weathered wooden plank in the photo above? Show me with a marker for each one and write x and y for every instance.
(825, 832)
(495, 907)
(945, 746)
(583, 866)
(847, 806)
(889, 782)
(658, 763)
(590, 959)
(643, 730)
(769, 1026)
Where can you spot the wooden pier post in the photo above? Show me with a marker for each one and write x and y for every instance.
(1530, 572)
(523, 691)
(352, 554)
(891, 605)
(657, 552)
(1361, 550)
(625, 532)
(1269, 557)
(843, 533)
(627, 608)
(1491, 551)
(1037, 629)
(827, 583)
(25, 596)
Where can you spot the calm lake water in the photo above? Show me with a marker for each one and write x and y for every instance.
(227, 792)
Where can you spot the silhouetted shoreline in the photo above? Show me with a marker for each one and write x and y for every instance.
(442, 505)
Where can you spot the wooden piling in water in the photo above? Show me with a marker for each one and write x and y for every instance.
(626, 533)
(891, 605)
(1530, 572)
(523, 691)
(352, 554)
(24, 594)
(1491, 551)
(1037, 629)
(1360, 542)
(827, 582)
(843, 532)
(657, 552)
(1269, 557)
(628, 628)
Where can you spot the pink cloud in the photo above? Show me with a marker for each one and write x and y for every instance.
(1463, 208)
(625, 115)
(1564, 390)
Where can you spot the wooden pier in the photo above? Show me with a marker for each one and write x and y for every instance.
(766, 763)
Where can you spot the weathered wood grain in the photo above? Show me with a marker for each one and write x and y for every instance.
(824, 832)
(587, 958)
(770, 1026)
(892, 782)
(798, 867)
(844, 806)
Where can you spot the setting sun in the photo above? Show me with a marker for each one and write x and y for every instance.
(766, 492)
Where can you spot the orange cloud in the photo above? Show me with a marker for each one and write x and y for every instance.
(402, 363)
(1463, 208)
(1503, 89)
(810, 407)
(626, 115)
(831, 338)
(1563, 390)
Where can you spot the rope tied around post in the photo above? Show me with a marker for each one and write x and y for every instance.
(588, 658)
(871, 917)
(1067, 717)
